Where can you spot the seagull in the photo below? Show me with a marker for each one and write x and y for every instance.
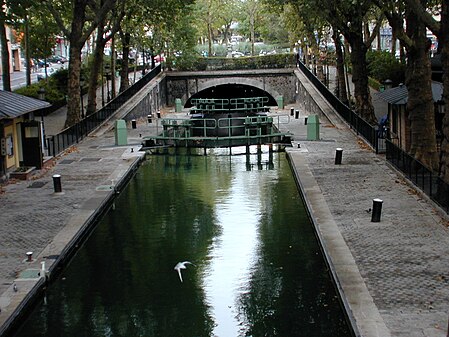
(181, 265)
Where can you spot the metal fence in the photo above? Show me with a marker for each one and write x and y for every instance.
(426, 180)
(75, 133)
(362, 127)
(421, 176)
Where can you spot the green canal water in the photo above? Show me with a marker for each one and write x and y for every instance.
(258, 270)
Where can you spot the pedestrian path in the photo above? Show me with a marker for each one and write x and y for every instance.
(394, 273)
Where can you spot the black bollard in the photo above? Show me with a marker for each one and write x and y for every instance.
(305, 120)
(149, 119)
(296, 114)
(158, 114)
(377, 210)
(134, 124)
(57, 183)
(292, 111)
(338, 156)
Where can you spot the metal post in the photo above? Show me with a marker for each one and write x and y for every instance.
(296, 114)
(338, 156)
(377, 210)
(149, 119)
(57, 183)
(134, 124)
(29, 256)
(305, 120)
(292, 110)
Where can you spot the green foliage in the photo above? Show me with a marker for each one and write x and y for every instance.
(382, 65)
(55, 87)
(247, 62)
(52, 92)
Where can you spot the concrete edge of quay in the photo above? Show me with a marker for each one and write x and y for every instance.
(362, 313)
(18, 302)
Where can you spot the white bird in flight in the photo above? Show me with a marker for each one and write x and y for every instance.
(181, 265)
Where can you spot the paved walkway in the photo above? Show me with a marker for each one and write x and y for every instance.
(394, 273)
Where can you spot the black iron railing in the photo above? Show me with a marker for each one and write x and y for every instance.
(369, 132)
(427, 180)
(74, 134)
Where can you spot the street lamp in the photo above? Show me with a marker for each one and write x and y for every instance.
(41, 96)
(41, 93)
(107, 72)
(81, 97)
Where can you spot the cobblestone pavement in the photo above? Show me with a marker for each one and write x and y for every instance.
(403, 259)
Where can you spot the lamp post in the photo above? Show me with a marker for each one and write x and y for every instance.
(107, 72)
(41, 96)
(81, 97)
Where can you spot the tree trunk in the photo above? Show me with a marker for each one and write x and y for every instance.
(97, 65)
(27, 52)
(363, 104)
(124, 81)
(444, 45)
(210, 38)
(5, 52)
(341, 82)
(76, 43)
(113, 58)
(73, 86)
(252, 32)
(420, 102)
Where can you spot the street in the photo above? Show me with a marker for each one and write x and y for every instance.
(18, 78)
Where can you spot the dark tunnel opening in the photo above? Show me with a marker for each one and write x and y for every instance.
(231, 90)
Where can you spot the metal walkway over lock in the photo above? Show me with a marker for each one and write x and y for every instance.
(233, 105)
(222, 132)
(221, 123)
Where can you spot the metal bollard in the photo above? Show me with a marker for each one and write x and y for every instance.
(377, 210)
(29, 256)
(57, 183)
(338, 156)
(296, 114)
(305, 120)
(292, 111)
(158, 114)
(134, 124)
(149, 119)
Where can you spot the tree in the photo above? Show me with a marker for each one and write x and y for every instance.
(439, 29)
(348, 18)
(251, 15)
(77, 20)
(5, 50)
(418, 79)
(104, 33)
(209, 12)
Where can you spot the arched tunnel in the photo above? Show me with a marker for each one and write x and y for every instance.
(229, 91)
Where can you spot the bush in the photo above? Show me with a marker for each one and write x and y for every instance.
(247, 62)
(52, 93)
(382, 65)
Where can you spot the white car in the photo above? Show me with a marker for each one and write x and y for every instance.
(237, 54)
(43, 74)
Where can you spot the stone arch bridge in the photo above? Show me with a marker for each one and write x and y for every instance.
(276, 84)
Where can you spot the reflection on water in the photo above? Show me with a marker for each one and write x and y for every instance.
(258, 269)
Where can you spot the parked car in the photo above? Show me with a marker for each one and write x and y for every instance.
(237, 54)
(57, 59)
(159, 58)
(40, 63)
(44, 73)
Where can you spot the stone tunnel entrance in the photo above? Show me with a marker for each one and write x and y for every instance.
(229, 91)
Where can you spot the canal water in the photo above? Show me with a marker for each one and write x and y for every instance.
(256, 270)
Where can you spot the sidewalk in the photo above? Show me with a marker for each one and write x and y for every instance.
(394, 273)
